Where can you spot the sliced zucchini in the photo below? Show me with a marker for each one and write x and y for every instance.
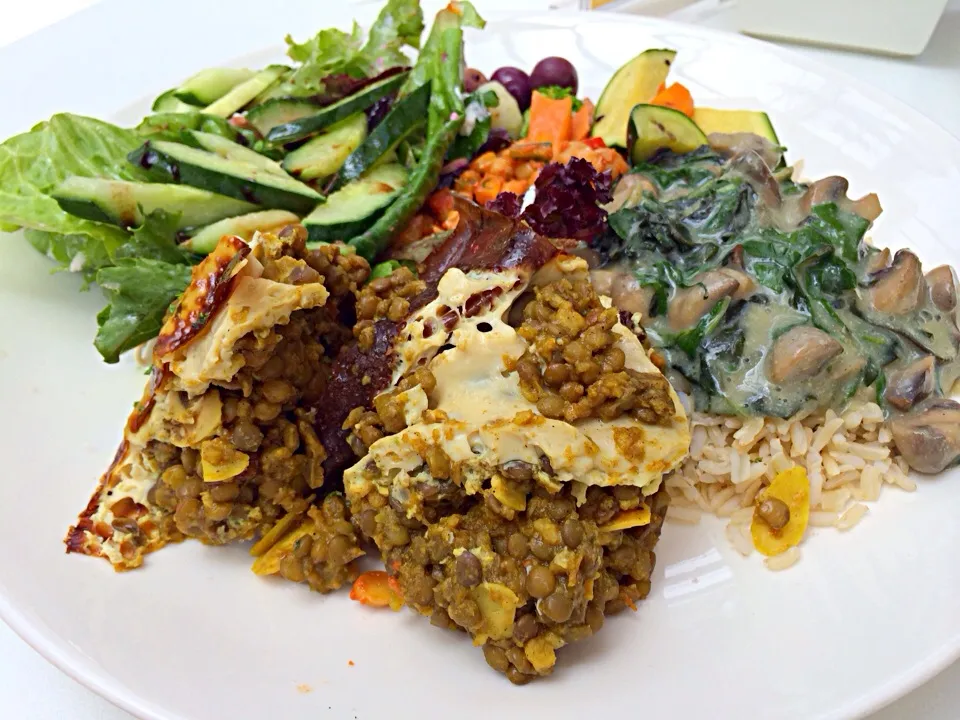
(125, 203)
(653, 127)
(229, 150)
(280, 111)
(712, 120)
(204, 240)
(323, 155)
(168, 102)
(352, 210)
(634, 83)
(246, 91)
(506, 113)
(211, 84)
(406, 115)
(361, 100)
(233, 178)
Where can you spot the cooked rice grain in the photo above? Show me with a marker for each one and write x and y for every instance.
(848, 458)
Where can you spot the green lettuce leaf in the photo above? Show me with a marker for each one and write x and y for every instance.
(34, 163)
(140, 291)
(149, 273)
(156, 239)
(334, 52)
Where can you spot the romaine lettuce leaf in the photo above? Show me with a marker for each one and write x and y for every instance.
(34, 163)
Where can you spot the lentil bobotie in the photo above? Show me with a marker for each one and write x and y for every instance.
(574, 368)
(257, 463)
(521, 584)
(516, 562)
(263, 416)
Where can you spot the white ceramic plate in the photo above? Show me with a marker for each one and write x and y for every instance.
(194, 635)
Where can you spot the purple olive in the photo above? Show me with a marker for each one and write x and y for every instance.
(517, 83)
(554, 71)
(472, 79)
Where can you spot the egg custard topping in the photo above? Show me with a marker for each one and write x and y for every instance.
(573, 396)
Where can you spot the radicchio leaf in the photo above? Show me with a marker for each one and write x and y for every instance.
(568, 199)
(506, 203)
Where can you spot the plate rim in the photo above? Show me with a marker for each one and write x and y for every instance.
(58, 651)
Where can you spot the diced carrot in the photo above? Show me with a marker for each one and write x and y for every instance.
(676, 96)
(487, 189)
(550, 120)
(582, 121)
(483, 162)
(536, 151)
(375, 588)
(518, 187)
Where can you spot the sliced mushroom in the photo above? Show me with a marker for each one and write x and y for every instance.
(929, 438)
(911, 384)
(745, 283)
(692, 303)
(828, 189)
(868, 207)
(629, 191)
(943, 287)
(603, 280)
(755, 171)
(628, 295)
(800, 353)
(878, 261)
(899, 289)
(730, 144)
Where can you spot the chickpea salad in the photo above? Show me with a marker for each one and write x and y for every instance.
(481, 327)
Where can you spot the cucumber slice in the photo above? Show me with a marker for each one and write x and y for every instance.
(280, 111)
(168, 102)
(406, 115)
(125, 203)
(634, 83)
(323, 155)
(204, 240)
(712, 120)
(304, 127)
(211, 84)
(229, 150)
(352, 210)
(506, 115)
(233, 178)
(246, 91)
(653, 127)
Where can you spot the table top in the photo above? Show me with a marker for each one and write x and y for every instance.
(32, 689)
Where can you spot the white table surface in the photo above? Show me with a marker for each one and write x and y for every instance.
(31, 689)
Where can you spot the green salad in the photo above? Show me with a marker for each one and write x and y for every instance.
(233, 150)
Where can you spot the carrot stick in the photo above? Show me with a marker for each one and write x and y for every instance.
(581, 122)
(676, 96)
(550, 120)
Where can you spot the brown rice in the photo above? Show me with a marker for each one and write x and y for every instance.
(849, 458)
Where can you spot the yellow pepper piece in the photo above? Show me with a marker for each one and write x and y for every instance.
(627, 519)
(541, 651)
(269, 562)
(498, 605)
(273, 535)
(789, 489)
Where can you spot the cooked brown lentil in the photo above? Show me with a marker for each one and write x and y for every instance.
(575, 368)
(560, 573)
(385, 298)
(264, 427)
